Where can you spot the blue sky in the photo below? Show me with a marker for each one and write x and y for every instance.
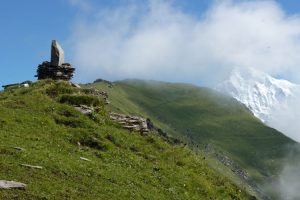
(27, 28)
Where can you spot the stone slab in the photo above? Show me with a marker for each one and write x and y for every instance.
(11, 185)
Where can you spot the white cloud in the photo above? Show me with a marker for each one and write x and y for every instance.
(157, 40)
(286, 185)
(285, 117)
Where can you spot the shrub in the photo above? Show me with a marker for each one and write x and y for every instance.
(113, 140)
(70, 122)
(80, 100)
(59, 88)
(93, 142)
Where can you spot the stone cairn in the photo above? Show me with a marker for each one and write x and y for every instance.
(56, 69)
(132, 123)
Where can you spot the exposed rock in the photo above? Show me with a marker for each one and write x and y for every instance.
(19, 148)
(57, 54)
(132, 123)
(11, 185)
(32, 166)
(149, 124)
(234, 167)
(85, 159)
(86, 110)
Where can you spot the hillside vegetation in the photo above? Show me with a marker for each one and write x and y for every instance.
(205, 119)
(90, 157)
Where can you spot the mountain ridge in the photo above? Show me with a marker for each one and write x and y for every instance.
(88, 156)
(203, 117)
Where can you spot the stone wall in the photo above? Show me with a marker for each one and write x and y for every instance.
(132, 123)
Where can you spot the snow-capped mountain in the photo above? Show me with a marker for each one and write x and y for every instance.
(260, 92)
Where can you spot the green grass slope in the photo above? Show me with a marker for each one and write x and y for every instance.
(202, 117)
(122, 165)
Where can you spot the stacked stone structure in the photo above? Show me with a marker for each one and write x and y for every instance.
(56, 69)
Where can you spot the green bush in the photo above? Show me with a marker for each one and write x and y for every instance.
(58, 88)
(70, 122)
(80, 100)
(93, 142)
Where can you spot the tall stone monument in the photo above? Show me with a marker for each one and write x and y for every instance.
(56, 69)
(57, 54)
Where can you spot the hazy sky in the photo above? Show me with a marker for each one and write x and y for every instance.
(195, 41)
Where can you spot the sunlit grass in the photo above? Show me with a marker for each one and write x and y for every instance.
(122, 165)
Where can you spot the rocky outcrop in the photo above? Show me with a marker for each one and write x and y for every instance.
(132, 123)
(142, 125)
(234, 167)
(56, 69)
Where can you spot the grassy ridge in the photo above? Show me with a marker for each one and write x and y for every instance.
(122, 165)
(201, 116)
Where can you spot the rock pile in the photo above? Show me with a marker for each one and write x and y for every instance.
(132, 123)
(47, 70)
(56, 69)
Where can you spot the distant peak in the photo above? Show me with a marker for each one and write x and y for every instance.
(259, 91)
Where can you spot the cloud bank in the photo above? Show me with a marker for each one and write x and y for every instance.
(285, 117)
(158, 40)
(286, 185)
